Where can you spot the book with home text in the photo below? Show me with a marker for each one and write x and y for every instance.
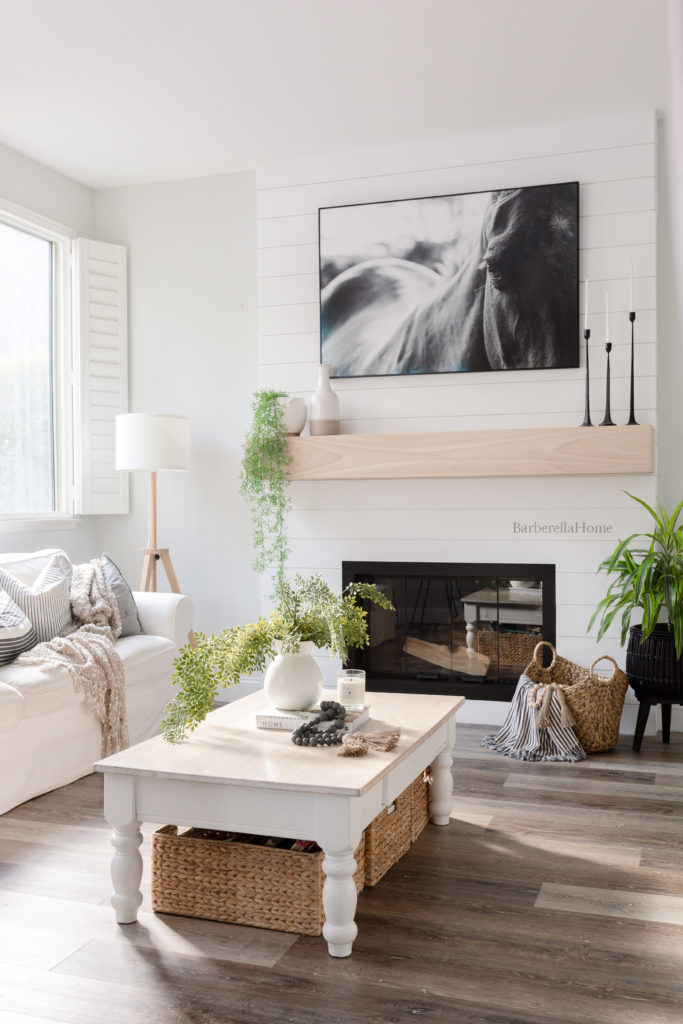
(291, 720)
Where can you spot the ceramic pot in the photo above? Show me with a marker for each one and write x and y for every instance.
(293, 682)
(294, 413)
(324, 407)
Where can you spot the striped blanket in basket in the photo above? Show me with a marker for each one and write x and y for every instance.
(521, 738)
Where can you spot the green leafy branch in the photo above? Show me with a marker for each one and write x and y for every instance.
(209, 665)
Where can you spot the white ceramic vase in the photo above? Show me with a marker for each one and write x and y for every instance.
(293, 682)
(294, 414)
(324, 406)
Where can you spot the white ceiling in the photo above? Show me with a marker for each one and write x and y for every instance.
(132, 91)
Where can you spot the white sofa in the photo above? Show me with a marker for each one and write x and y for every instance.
(49, 738)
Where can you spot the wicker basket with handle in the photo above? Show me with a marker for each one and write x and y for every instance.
(590, 702)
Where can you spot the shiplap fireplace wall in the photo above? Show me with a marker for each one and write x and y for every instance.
(570, 521)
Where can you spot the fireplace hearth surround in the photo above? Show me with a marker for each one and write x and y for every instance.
(459, 627)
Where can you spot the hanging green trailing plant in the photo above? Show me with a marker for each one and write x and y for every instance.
(647, 570)
(264, 481)
(305, 609)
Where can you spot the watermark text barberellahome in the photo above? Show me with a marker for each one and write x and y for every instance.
(564, 526)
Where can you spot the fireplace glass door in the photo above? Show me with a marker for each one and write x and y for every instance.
(455, 628)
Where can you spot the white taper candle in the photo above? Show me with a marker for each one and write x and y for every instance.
(585, 307)
(606, 316)
(631, 307)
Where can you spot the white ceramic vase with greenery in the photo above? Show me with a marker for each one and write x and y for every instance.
(293, 680)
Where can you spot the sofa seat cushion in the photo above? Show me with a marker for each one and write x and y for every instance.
(11, 707)
(136, 651)
(45, 690)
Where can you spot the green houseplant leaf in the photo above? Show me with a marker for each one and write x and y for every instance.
(647, 576)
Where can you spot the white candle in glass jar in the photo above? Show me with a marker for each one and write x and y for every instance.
(351, 687)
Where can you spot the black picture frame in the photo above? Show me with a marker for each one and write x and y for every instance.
(468, 282)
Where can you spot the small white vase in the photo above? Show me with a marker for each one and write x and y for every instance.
(324, 406)
(294, 413)
(293, 682)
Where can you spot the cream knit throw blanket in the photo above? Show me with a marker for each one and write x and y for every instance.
(86, 650)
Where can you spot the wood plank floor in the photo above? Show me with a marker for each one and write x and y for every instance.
(555, 896)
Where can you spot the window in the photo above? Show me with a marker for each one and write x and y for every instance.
(63, 370)
(35, 420)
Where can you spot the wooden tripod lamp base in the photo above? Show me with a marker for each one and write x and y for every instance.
(148, 574)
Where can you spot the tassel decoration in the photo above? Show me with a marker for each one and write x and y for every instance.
(357, 745)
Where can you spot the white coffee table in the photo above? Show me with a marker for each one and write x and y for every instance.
(230, 775)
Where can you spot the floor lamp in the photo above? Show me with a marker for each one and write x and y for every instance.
(153, 443)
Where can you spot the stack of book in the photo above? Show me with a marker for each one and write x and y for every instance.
(291, 720)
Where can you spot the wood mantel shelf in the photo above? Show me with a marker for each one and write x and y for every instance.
(541, 451)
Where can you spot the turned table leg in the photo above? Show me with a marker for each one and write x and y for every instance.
(441, 792)
(339, 901)
(126, 863)
(126, 872)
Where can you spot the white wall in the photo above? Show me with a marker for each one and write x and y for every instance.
(471, 520)
(670, 260)
(44, 191)
(192, 330)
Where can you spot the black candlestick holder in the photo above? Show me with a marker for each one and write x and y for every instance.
(632, 416)
(607, 421)
(587, 411)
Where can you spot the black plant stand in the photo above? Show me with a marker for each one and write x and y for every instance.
(643, 712)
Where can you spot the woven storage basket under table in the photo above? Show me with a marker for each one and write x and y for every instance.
(595, 701)
(199, 874)
(389, 835)
(419, 805)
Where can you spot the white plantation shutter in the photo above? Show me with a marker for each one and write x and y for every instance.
(101, 373)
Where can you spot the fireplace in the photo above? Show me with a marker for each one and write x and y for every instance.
(458, 628)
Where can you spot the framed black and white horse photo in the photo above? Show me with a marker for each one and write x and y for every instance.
(450, 284)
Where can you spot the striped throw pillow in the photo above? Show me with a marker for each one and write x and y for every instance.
(16, 631)
(47, 601)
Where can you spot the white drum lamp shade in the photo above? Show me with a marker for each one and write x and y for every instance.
(152, 442)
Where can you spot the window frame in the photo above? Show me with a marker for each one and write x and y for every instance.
(63, 375)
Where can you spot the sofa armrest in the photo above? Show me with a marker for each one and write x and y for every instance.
(169, 615)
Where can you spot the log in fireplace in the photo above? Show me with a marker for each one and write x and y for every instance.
(458, 628)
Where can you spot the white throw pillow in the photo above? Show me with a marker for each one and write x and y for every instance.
(47, 602)
(28, 565)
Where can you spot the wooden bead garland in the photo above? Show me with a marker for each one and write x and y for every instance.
(309, 735)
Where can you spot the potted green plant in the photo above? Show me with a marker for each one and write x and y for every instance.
(307, 613)
(647, 577)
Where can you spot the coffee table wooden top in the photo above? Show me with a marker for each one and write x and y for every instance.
(228, 749)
